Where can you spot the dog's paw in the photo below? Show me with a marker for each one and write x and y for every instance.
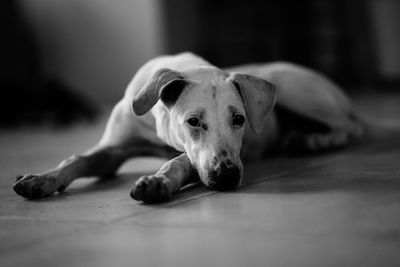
(36, 186)
(152, 189)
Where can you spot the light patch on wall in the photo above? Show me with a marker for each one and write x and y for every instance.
(95, 45)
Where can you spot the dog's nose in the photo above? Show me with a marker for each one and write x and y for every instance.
(226, 176)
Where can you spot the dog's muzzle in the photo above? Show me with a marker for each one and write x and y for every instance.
(224, 176)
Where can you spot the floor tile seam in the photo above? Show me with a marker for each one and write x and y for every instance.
(299, 170)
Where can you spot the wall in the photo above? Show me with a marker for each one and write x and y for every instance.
(95, 45)
(386, 23)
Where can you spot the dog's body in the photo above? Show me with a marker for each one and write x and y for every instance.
(208, 116)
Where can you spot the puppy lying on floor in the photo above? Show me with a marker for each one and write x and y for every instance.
(210, 119)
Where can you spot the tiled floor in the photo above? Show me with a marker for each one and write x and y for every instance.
(339, 209)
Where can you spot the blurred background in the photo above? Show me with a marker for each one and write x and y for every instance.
(61, 60)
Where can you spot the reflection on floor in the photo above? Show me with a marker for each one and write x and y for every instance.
(339, 209)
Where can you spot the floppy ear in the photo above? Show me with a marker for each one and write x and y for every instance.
(165, 84)
(258, 97)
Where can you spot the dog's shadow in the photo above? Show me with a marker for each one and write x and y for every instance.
(120, 183)
(370, 169)
(95, 185)
(305, 182)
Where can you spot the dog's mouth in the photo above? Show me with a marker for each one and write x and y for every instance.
(222, 180)
(221, 187)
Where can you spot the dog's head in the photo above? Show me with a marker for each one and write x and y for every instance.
(206, 112)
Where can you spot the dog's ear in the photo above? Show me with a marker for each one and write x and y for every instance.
(165, 84)
(258, 96)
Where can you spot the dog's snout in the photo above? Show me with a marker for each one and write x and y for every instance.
(224, 176)
(216, 162)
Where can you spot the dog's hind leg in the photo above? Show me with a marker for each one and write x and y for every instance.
(300, 142)
(304, 135)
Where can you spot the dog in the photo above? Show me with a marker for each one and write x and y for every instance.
(206, 120)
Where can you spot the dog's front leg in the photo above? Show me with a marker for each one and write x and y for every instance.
(172, 176)
(101, 161)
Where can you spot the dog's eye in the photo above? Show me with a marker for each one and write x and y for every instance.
(194, 122)
(238, 120)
